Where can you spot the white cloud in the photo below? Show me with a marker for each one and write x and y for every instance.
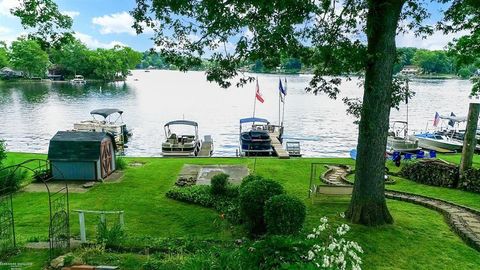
(7, 5)
(437, 41)
(8, 35)
(72, 14)
(117, 23)
(93, 43)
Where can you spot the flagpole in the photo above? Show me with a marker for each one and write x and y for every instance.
(279, 106)
(284, 100)
(255, 98)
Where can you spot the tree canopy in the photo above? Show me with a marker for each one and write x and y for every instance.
(27, 56)
(50, 26)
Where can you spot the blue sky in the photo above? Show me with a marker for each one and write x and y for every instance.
(104, 23)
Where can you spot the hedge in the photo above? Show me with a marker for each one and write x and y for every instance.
(432, 172)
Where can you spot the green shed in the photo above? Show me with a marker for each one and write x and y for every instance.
(78, 155)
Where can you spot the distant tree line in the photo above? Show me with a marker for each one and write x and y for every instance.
(431, 62)
(70, 58)
(435, 62)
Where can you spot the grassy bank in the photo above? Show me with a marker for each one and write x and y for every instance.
(419, 238)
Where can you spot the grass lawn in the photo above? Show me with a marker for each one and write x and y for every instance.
(419, 238)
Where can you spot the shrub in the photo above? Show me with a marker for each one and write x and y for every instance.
(110, 237)
(470, 180)
(3, 154)
(249, 178)
(253, 196)
(219, 183)
(11, 181)
(432, 172)
(274, 252)
(120, 163)
(226, 203)
(284, 214)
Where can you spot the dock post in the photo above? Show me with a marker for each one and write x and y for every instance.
(81, 219)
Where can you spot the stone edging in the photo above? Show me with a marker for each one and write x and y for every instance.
(464, 220)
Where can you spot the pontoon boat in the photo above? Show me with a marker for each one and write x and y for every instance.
(256, 140)
(110, 123)
(181, 144)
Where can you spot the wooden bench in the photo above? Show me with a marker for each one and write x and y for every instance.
(330, 190)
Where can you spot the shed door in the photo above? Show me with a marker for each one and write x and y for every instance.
(106, 158)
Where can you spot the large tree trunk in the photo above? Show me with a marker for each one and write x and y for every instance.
(368, 205)
(470, 140)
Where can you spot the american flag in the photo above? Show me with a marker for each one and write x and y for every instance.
(258, 95)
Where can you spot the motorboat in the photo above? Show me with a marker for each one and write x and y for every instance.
(257, 138)
(187, 144)
(78, 79)
(111, 122)
(398, 139)
(436, 141)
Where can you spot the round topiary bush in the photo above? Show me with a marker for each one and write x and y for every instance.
(249, 178)
(284, 214)
(253, 196)
(219, 184)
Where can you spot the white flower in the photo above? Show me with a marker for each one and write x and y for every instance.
(310, 236)
(342, 214)
(326, 261)
(332, 246)
(356, 267)
(311, 255)
(324, 220)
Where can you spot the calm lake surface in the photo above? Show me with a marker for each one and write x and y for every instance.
(31, 113)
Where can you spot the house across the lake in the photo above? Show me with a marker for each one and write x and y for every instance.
(410, 70)
(9, 73)
(79, 155)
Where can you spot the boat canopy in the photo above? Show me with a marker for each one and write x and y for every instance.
(454, 118)
(106, 112)
(253, 119)
(182, 122)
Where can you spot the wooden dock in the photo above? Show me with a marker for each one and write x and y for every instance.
(207, 147)
(278, 147)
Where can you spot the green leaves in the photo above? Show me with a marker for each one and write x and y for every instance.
(28, 57)
(51, 26)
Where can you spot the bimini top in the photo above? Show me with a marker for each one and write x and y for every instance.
(106, 112)
(182, 122)
(454, 118)
(253, 119)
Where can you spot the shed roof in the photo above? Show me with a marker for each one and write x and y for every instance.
(77, 145)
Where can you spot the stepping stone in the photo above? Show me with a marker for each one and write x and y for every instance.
(88, 184)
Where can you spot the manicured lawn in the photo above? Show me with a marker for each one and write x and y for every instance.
(419, 238)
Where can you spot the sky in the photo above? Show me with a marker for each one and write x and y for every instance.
(105, 23)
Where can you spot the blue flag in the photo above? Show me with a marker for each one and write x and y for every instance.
(280, 88)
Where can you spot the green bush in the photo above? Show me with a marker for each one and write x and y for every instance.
(274, 252)
(249, 178)
(110, 237)
(11, 181)
(284, 214)
(120, 163)
(432, 172)
(219, 183)
(226, 203)
(253, 196)
(470, 180)
(3, 152)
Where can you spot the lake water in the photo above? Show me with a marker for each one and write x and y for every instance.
(33, 112)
